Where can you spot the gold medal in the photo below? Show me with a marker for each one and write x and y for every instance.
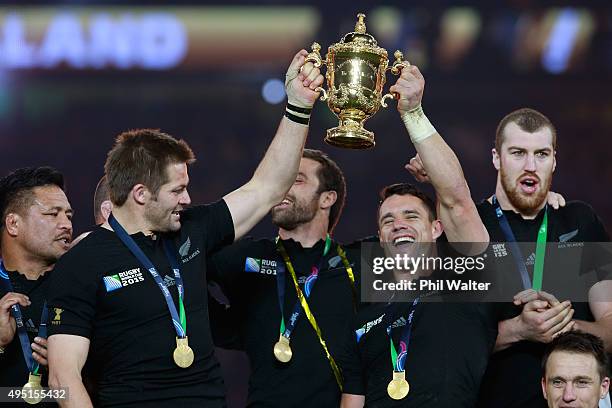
(183, 354)
(31, 392)
(282, 350)
(398, 387)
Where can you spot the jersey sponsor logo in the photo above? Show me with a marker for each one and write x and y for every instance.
(568, 236)
(263, 266)
(123, 279)
(57, 318)
(169, 281)
(530, 259)
(398, 323)
(30, 326)
(368, 326)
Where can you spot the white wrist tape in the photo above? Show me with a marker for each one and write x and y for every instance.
(419, 127)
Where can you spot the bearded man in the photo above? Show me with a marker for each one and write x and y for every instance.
(291, 297)
(525, 158)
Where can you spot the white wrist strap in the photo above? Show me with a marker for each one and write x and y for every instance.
(419, 127)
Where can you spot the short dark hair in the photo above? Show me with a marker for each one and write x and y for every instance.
(407, 189)
(529, 120)
(579, 343)
(141, 156)
(331, 178)
(102, 194)
(16, 189)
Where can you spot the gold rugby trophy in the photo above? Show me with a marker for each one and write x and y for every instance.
(356, 68)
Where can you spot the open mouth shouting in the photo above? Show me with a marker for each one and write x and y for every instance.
(529, 184)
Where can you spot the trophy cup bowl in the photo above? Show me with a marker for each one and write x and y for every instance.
(356, 68)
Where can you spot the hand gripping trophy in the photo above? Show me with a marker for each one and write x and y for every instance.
(356, 68)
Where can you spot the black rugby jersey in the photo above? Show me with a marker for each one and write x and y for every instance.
(449, 347)
(13, 369)
(101, 291)
(570, 226)
(247, 272)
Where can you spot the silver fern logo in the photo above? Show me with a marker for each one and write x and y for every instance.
(184, 249)
(568, 236)
(333, 262)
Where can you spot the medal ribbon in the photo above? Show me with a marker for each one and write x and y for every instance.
(171, 255)
(538, 269)
(399, 361)
(179, 322)
(24, 340)
(349, 272)
(306, 308)
(280, 285)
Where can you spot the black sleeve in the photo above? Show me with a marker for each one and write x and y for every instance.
(598, 255)
(72, 296)
(224, 322)
(216, 223)
(349, 361)
(226, 266)
(597, 229)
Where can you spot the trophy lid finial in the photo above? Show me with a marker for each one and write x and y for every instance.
(360, 26)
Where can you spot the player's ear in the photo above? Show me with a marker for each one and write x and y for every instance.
(436, 229)
(12, 222)
(495, 158)
(140, 193)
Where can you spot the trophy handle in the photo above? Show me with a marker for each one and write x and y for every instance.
(387, 96)
(314, 56)
(325, 95)
(399, 63)
(396, 69)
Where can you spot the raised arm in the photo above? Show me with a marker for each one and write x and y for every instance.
(278, 169)
(457, 210)
(67, 355)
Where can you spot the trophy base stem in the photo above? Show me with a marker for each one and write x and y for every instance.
(350, 137)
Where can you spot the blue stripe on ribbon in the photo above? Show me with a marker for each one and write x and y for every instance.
(24, 340)
(144, 260)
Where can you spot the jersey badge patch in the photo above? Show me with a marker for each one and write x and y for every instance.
(123, 279)
(263, 266)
